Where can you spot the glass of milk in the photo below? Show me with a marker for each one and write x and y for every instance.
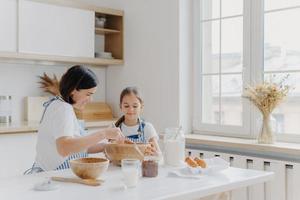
(131, 171)
(174, 147)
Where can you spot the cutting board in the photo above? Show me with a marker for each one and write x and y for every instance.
(94, 111)
(34, 108)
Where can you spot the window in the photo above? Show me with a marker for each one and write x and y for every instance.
(239, 42)
(282, 57)
(222, 63)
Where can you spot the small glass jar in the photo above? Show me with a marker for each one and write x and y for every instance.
(150, 166)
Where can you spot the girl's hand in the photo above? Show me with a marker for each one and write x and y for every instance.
(114, 134)
(151, 151)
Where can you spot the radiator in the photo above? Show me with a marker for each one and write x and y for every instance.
(285, 185)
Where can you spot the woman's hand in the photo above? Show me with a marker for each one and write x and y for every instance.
(114, 134)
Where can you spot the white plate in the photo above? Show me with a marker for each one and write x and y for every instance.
(214, 165)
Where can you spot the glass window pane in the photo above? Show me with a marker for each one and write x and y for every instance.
(276, 4)
(231, 100)
(232, 7)
(282, 39)
(287, 114)
(210, 9)
(210, 47)
(232, 45)
(210, 99)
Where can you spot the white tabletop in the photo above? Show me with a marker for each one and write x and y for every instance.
(161, 187)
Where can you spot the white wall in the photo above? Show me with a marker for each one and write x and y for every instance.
(151, 58)
(20, 80)
(153, 63)
(185, 64)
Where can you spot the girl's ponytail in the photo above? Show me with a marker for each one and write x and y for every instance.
(120, 120)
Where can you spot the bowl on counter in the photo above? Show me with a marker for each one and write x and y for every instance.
(89, 168)
(116, 152)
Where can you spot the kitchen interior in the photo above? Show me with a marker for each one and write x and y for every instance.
(166, 49)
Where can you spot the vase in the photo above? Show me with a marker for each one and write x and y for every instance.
(266, 135)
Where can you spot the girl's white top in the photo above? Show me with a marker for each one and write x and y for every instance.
(59, 121)
(149, 131)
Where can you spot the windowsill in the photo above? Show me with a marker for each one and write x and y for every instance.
(249, 145)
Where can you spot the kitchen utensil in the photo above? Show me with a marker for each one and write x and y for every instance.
(89, 168)
(117, 152)
(34, 108)
(95, 111)
(46, 185)
(91, 182)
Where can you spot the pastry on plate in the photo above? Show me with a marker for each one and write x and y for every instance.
(200, 162)
(190, 161)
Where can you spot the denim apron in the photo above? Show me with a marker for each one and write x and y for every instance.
(140, 136)
(66, 163)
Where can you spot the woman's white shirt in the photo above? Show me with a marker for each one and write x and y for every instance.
(59, 121)
(149, 131)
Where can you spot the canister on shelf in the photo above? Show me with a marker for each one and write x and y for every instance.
(5, 109)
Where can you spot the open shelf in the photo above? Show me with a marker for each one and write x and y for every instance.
(52, 59)
(112, 34)
(103, 31)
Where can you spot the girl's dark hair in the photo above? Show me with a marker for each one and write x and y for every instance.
(76, 78)
(128, 91)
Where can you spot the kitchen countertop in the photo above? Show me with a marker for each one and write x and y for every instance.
(24, 127)
(161, 187)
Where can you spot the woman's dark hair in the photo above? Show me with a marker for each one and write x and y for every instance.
(128, 91)
(76, 78)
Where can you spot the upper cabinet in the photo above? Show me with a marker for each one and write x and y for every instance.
(112, 31)
(8, 23)
(55, 30)
(60, 31)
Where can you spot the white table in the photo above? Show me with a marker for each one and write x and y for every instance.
(161, 187)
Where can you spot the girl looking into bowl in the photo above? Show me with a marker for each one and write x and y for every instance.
(60, 138)
(132, 126)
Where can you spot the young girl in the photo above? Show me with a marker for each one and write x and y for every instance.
(59, 138)
(132, 126)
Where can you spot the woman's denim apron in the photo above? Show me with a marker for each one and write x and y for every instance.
(66, 163)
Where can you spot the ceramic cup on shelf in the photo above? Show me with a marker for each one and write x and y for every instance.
(100, 22)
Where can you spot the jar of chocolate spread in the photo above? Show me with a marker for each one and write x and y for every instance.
(150, 166)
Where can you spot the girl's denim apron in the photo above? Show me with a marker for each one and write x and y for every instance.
(140, 136)
(66, 163)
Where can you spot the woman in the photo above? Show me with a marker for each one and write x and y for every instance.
(59, 139)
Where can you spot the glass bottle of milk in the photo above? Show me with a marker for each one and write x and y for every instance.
(174, 147)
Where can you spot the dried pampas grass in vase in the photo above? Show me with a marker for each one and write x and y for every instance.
(49, 85)
(266, 97)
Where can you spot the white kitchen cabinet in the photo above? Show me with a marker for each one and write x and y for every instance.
(8, 24)
(17, 153)
(50, 29)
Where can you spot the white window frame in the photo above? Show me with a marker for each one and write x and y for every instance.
(285, 137)
(214, 129)
(253, 62)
